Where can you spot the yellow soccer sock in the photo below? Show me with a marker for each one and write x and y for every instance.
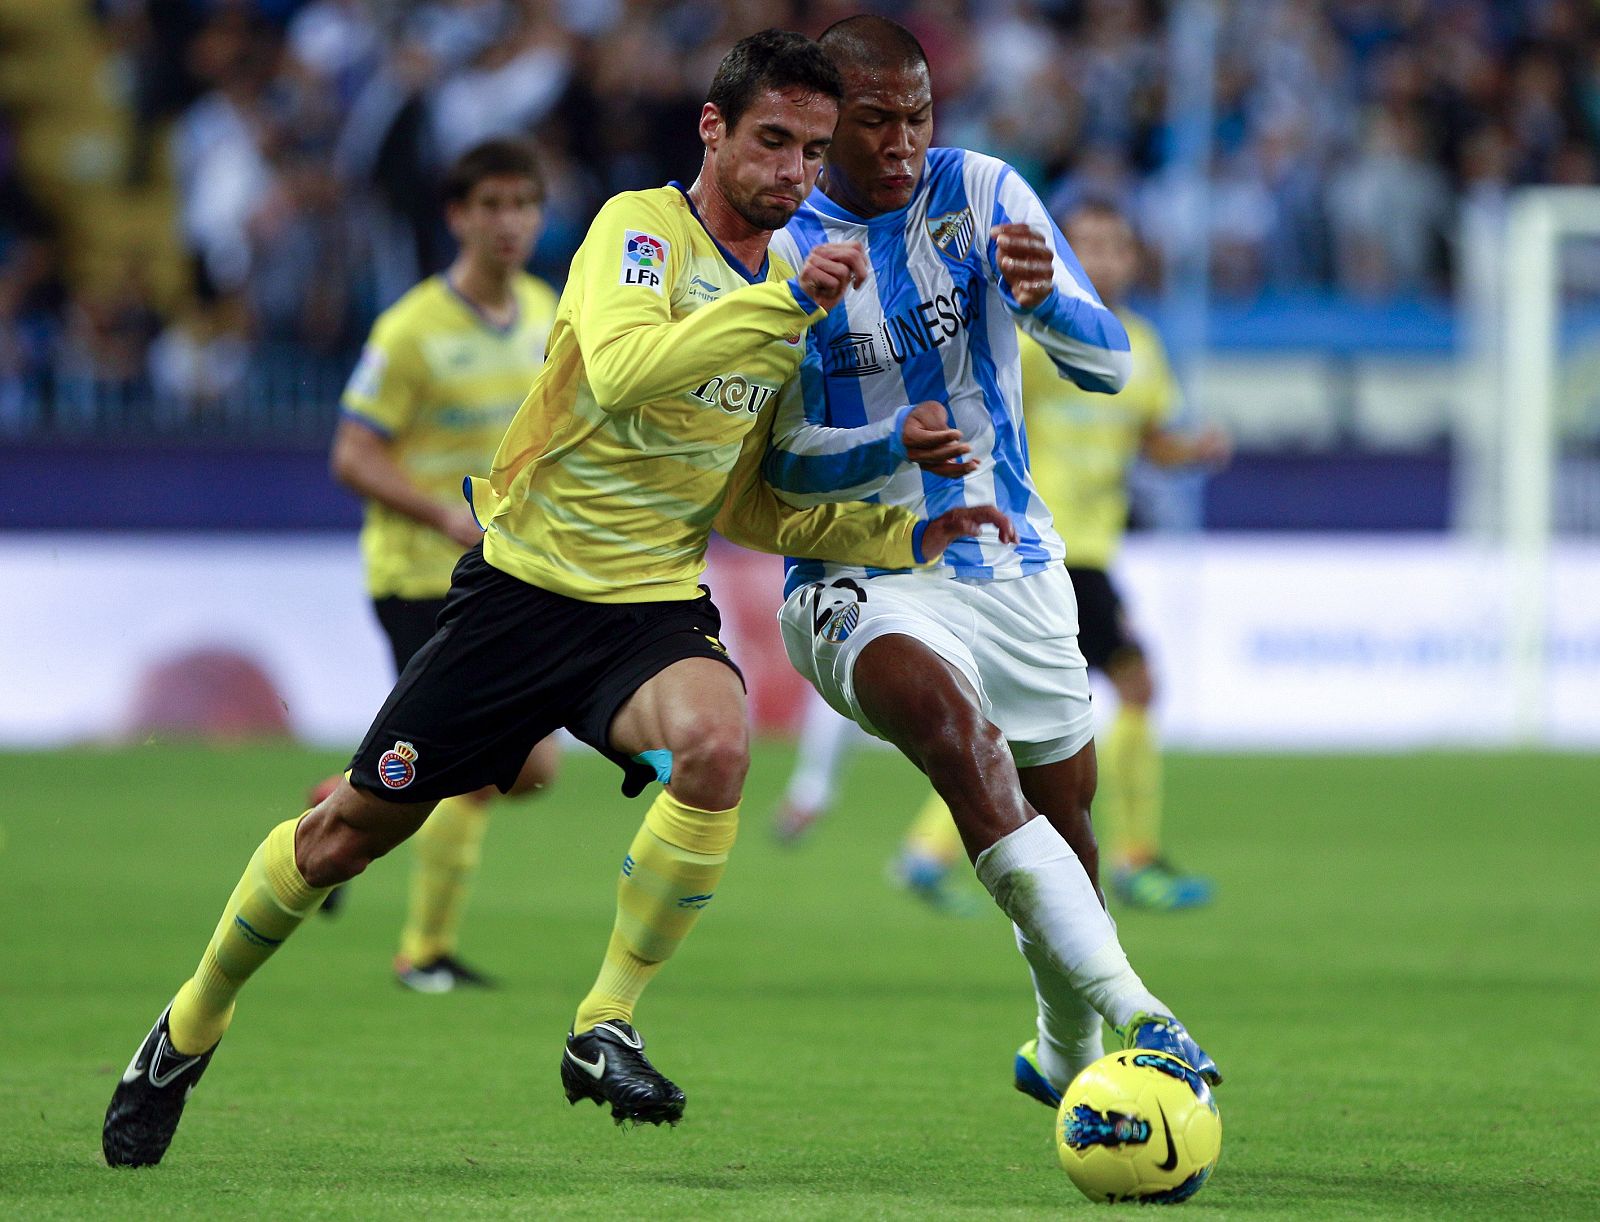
(933, 835)
(668, 877)
(1132, 762)
(449, 846)
(269, 903)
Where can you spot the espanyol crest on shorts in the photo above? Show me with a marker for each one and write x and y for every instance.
(397, 767)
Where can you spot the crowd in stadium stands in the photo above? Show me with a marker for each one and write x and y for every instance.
(290, 147)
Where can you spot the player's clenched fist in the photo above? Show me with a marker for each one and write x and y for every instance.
(934, 444)
(831, 269)
(1025, 262)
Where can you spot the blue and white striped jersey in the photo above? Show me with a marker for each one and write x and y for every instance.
(935, 321)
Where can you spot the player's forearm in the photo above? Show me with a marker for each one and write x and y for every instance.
(846, 532)
(1087, 342)
(637, 365)
(812, 463)
(379, 479)
(1167, 450)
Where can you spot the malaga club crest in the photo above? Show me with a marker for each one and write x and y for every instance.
(952, 232)
(836, 610)
(644, 259)
(397, 767)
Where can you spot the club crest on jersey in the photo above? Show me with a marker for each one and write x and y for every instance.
(397, 767)
(952, 232)
(644, 259)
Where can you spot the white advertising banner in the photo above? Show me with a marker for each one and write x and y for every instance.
(1304, 642)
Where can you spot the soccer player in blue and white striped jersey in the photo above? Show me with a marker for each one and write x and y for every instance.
(972, 667)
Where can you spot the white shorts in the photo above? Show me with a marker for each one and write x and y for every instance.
(1016, 643)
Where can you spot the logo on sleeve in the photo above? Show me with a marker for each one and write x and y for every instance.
(367, 376)
(644, 259)
(397, 767)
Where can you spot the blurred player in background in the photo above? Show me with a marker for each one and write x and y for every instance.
(1081, 448)
(674, 339)
(970, 668)
(442, 375)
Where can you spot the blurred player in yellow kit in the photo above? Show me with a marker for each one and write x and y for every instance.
(442, 375)
(1080, 448)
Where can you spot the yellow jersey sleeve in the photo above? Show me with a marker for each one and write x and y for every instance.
(389, 383)
(1158, 393)
(1081, 445)
(634, 350)
(846, 532)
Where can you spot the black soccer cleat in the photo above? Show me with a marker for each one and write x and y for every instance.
(148, 1102)
(440, 975)
(607, 1064)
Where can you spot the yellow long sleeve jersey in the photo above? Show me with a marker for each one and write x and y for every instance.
(648, 422)
(1081, 445)
(441, 383)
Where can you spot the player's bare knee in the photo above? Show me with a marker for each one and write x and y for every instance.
(709, 771)
(348, 832)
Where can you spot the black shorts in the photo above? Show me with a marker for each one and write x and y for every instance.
(408, 623)
(1103, 632)
(511, 663)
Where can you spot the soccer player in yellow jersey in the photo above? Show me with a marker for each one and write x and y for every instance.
(443, 373)
(646, 428)
(1080, 448)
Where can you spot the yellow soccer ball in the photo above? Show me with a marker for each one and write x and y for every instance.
(1138, 1126)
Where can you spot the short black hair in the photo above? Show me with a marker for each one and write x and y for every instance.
(771, 59)
(502, 156)
(867, 40)
(1101, 207)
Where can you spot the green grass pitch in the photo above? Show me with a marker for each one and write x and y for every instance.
(1400, 979)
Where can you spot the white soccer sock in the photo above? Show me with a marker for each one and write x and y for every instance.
(823, 737)
(1070, 1036)
(1040, 884)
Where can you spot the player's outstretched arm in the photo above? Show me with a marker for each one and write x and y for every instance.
(847, 532)
(812, 463)
(363, 461)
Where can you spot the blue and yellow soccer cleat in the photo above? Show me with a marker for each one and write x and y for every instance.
(1160, 887)
(1163, 1033)
(1030, 1079)
(937, 884)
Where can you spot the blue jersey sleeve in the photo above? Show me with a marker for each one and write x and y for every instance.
(810, 463)
(1084, 339)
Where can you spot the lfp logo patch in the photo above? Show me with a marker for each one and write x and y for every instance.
(397, 767)
(644, 259)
